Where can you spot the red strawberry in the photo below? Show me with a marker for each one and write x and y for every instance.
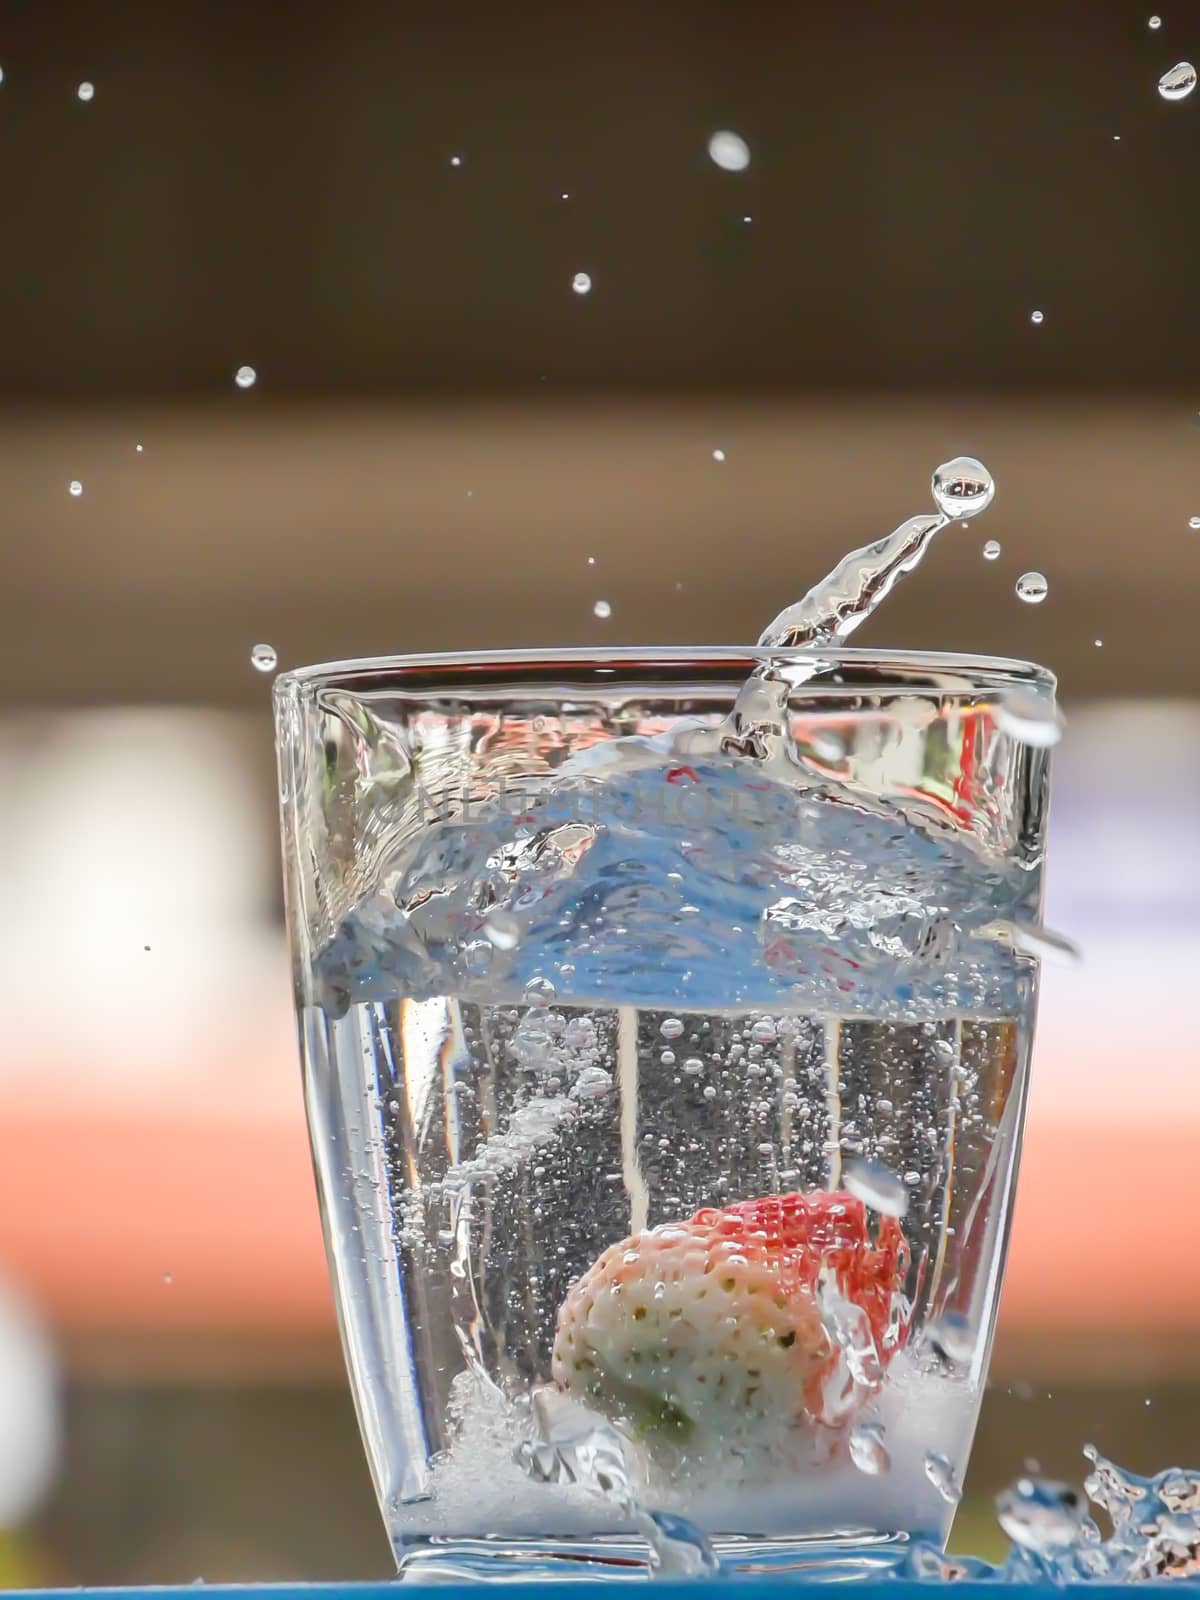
(739, 1326)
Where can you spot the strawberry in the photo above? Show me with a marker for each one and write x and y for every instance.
(740, 1326)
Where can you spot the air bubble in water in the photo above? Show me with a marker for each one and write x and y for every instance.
(1030, 719)
(593, 1083)
(86, 91)
(502, 929)
(941, 1475)
(868, 1451)
(1178, 82)
(962, 487)
(581, 283)
(876, 1186)
(1040, 1515)
(729, 150)
(670, 1027)
(75, 487)
(263, 658)
(602, 609)
(539, 992)
(991, 550)
(1032, 588)
(245, 377)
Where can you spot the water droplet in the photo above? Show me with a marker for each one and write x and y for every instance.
(868, 1451)
(941, 1475)
(168, 1279)
(591, 561)
(1037, 318)
(1032, 588)
(670, 1027)
(602, 609)
(564, 195)
(718, 455)
(1194, 522)
(729, 150)
(962, 487)
(581, 283)
(456, 161)
(747, 219)
(139, 448)
(245, 377)
(86, 91)
(263, 658)
(1099, 643)
(876, 1186)
(1041, 1515)
(539, 991)
(991, 550)
(503, 929)
(1154, 23)
(75, 487)
(1030, 719)
(1178, 82)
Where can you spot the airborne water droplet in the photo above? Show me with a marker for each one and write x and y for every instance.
(1032, 588)
(581, 283)
(263, 658)
(991, 550)
(729, 150)
(86, 91)
(718, 455)
(1037, 318)
(75, 487)
(245, 377)
(1154, 23)
(602, 609)
(1178, 82)
(1194, 522)
(962, 487)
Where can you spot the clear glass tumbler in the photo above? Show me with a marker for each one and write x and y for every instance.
(665, 1019)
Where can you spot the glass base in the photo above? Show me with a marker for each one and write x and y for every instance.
(840, 1557)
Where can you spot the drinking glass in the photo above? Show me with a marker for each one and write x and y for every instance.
(665, 1019)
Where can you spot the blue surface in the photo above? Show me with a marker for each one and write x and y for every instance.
(764, 1587)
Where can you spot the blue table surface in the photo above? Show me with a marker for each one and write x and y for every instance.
(765, 1588)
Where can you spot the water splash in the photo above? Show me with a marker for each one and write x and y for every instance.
(842, 601)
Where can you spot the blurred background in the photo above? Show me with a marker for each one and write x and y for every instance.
(381, 209)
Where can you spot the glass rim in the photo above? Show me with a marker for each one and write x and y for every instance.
(459, 670)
